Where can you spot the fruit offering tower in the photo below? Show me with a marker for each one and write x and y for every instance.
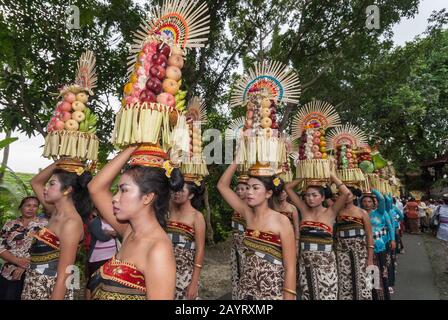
(153, 98)
(347, 142)
(261, 91)
(309, 127)
(193, 162)
(72, 128)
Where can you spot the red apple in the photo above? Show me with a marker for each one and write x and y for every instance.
(274, 125)
(69, 97)
(160, 60)
(148, 96)
(154, 84)
(165, 50)
(158, 71)
(166, 99)
(59, 125)
(65, 106)
(65, 115)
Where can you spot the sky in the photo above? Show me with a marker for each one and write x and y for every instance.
(26, 153)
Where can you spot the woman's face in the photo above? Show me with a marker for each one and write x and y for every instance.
(29, 208)
(128, 201)
(182, 196)
(283, 196)
(350, 198)
(256, 193)
(313, 198)
(367, 203)
(241, 190)
(52, 190)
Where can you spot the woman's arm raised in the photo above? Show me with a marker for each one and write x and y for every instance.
(295, 199)
(38, 184)
(228, 194)
(342, 199)
(99, 189)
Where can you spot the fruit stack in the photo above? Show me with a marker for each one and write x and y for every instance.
(157, 77)
(72, 128)
(310, 125)
(72, 114)
(261, 90)
(193, 162)
(348, 142)
(153, 102)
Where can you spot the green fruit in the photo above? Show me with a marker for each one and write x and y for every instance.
(367, 166)
(181, 104)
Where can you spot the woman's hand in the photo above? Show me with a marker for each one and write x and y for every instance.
(17, 274)
(393, 245)
(23, 263)
(192, 291)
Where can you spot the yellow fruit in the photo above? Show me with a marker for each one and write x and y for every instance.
(323, 149)
(265, 112)
(128, 88)
(134, 78)
(324, 156)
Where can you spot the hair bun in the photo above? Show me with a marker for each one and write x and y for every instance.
(278, 186)
(176, 181)
(84, 179)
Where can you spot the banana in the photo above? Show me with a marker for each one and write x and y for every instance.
(87, 112)
(181, 104)
(92, 130)
(180, 83)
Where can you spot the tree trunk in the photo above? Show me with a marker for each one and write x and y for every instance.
(5, 157)
(208, 213)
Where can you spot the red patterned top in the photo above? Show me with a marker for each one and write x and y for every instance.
(351, 219)
(48, 237)
(123, 273)
(267, 237)
(318, 225)
(179, 227)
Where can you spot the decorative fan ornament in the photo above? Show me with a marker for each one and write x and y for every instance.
(273, 79)
(86, 76)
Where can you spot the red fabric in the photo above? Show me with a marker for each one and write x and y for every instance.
(412, 210)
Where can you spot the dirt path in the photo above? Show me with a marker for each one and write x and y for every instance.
(216, 273)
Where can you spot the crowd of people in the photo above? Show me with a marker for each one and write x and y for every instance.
(285, 243)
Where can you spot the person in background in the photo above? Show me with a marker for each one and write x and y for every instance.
(15, 242)
(422, 214)
(104, 244)
(411, 211)
(442, 232)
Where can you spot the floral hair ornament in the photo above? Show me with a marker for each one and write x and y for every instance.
(168, 167)
(276, 182)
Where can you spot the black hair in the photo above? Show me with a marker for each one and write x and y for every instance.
(323, 191)
(24, 200)
(268, 183)
(154, 180)
(198, 194)
(80, 194)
